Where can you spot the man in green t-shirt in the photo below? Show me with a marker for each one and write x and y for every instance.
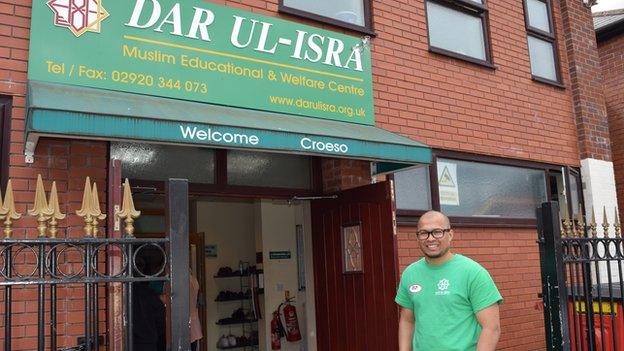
(448, 301)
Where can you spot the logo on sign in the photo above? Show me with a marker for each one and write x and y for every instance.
(79, 16)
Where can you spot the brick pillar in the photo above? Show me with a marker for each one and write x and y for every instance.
(342, 174)
(612, 60)
(590, 111)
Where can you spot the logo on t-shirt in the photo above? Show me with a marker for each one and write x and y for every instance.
(415, 288)
(443, 286)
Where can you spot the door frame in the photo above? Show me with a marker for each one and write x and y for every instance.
(198, 240)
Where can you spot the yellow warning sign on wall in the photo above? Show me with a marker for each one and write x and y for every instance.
(447, 183)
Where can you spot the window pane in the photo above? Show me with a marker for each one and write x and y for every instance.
(351, 11)
(558, 191)
(538, 15)
(574, 193)
(455, 31)
(161, 162)
(542, 58)
(412, 189)
(471, 189)
(268, 170)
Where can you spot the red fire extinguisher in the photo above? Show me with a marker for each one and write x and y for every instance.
(276, 343)
(292, 324)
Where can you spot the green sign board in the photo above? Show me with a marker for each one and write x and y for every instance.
(195, 50)
(279, 255)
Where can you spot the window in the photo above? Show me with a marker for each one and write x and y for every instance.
(415, 185)
(459, 28)
(213, 171)
(352, 14)
(5, 140)
(475, 189)
(482, 190)
(161, 162)
(541, 41)
(268, 170)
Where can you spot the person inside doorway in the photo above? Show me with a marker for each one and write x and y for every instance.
(196, 328)
(448, 301)
(148, 314)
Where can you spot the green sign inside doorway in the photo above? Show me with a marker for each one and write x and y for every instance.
(279, 255)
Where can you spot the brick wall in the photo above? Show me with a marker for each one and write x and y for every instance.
(512, 258)
(342, 174)
(611, 54)
(586, 77)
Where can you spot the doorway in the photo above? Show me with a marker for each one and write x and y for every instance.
(256, 252)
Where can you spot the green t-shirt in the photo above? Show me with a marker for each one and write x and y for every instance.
(445, 299)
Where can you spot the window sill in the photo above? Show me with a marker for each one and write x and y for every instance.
(326, 20)
(548, 81)
(455, 55)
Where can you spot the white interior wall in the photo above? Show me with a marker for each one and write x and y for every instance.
(280, 275)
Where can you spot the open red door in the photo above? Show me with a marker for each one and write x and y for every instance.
(355, 310)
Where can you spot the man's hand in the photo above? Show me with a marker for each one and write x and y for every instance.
(406, 329)
(490, 323)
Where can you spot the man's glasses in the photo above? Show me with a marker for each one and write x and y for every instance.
(436, 233)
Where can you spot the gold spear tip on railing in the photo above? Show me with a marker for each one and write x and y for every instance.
(53, 202)
(56, 215)
(128, 212)
(567, 224)
(605, 222)
(95, 207)
(581, 223)
(616, 224)
(11, 213)
(85, 209)
(40, 209)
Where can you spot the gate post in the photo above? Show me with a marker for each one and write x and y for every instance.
(554, 291)
(178, 231)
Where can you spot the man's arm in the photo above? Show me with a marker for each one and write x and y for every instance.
(406, 329)
(490, 324)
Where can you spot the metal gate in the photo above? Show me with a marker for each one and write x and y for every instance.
(87, 276)
(582, 280)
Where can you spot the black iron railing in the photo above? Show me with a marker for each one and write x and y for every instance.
(69, 262)
(582, 281)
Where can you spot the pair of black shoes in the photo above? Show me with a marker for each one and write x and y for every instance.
(224, 272)
(228, 295)
(228, 272)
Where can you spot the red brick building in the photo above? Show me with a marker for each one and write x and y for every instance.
(513, 111)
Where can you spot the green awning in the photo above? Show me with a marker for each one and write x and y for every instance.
(75, 112)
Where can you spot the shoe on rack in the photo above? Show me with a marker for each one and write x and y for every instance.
(222, 296)
(238, 315)
(224, 272)
(223, 342)
(232, 340)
